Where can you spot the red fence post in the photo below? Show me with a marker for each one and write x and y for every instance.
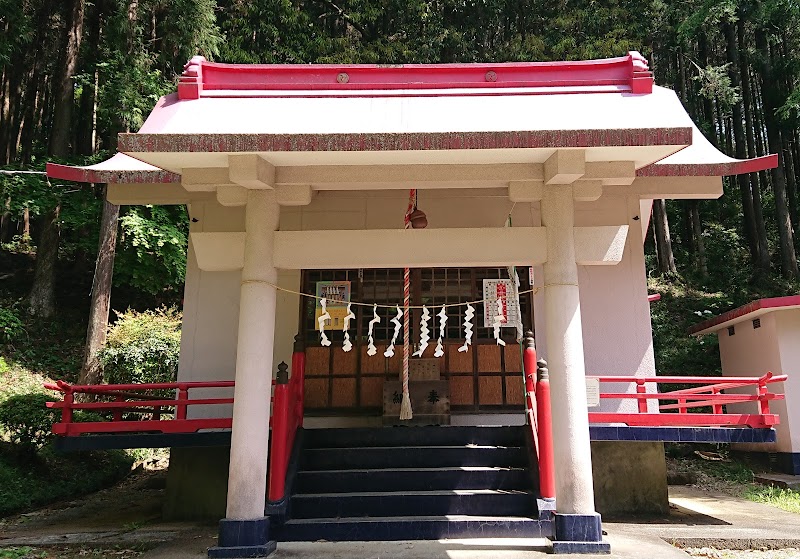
(117, 413)
(66, 411)
(763, 400)
(299, 375)
(716, 408)
(641, 389)
(547, 480)
(183, 394)
(278, 438)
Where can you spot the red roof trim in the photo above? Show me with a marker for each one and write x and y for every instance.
(216, 143)
(753, 306)
(630, 72)
(737, 167)
(84, 174)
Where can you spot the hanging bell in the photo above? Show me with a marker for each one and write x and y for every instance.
(418, 219)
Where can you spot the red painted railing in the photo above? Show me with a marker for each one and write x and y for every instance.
(287, 417)
(143, 411)
(537, 405)
(675, 407)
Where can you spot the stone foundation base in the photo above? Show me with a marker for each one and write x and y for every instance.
(630, 478)
(578, 533)
(243, 538)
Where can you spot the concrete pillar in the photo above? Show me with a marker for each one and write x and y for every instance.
(245, 530)
(576, 524)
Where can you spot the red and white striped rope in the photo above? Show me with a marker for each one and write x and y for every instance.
(412, 199)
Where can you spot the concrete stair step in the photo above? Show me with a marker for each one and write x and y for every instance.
(410, 479)
(415, 436)
(315, 459)
(474, 502)
(429, 527)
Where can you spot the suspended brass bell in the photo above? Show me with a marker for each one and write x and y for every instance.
(418, 219)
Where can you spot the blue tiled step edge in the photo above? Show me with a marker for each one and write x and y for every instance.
(387, 505)
(682, 434)
(412, 528)
(412, 457)
(412, 479)
(415, 436)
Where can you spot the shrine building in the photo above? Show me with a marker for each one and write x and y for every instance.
(517, 196)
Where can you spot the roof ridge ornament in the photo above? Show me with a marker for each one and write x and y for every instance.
(625, 74)
(641, 76)
(190, 84)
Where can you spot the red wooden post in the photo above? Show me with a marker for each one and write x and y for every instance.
(279, 454)
(183, 394)
(66, 411)
(641, 389)
(529, 360)
(682, 407)
(547, 479)
(299, 375)
(763, 401)
(117, 414)
(716, 408)
(529, 368)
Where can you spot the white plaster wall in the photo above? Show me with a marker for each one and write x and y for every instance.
(751, 352)
(210, 314)
(616, 315)
(617, 334)
(787, 324)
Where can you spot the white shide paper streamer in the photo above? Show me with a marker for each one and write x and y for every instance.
(397, 325)
(469, 314)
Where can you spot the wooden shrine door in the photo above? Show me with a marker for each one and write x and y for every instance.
(487, 378)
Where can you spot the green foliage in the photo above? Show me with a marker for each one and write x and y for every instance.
(11, 326)
(53, 476)
(24, 552)
(143, 347)
(27, 420)
(152, 249)
(785, 499)
(716, 85)
(53, 347)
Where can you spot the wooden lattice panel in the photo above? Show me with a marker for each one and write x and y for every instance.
(395, 363)
(490, 390)
(317, 361)
(374, 364)
(513, 363)
(489, 358)
(316, 392)
(458, 362)
(371, 391)
(515, 391)
(461, 391)
(344, 363)
(344, 393)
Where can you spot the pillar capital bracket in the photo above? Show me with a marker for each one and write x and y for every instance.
(565, 166)
(251, 171)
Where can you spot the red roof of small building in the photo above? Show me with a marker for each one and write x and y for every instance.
(750, 310)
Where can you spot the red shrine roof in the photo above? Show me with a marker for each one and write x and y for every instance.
(751, 311)
(408, 114)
